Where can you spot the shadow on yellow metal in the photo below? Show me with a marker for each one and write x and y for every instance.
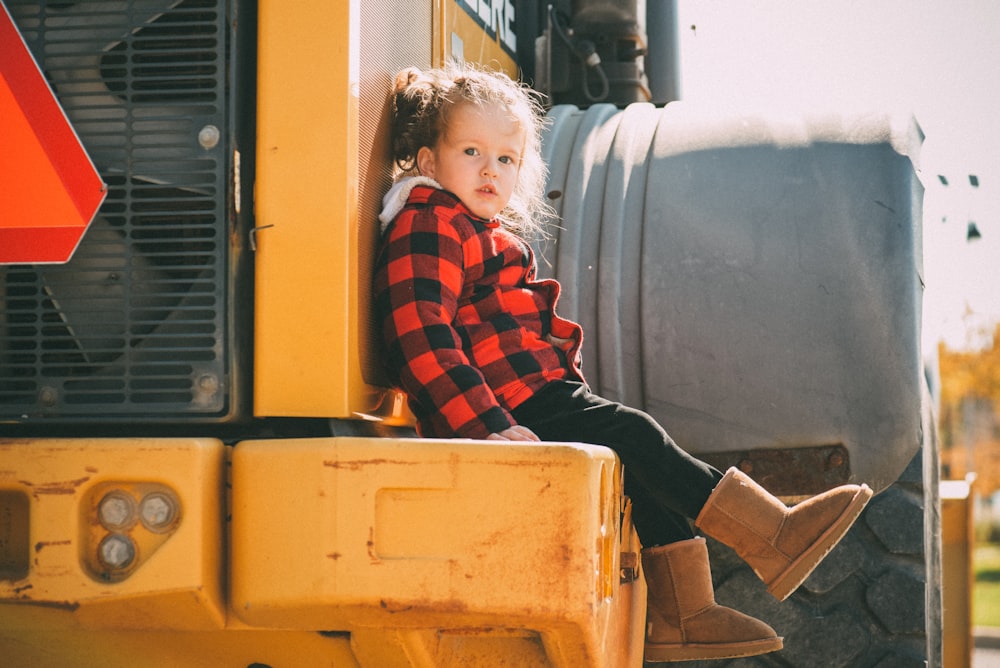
(343, 552)
(165, 649)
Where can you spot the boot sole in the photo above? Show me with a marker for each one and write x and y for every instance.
(799, 570)
(695, 651)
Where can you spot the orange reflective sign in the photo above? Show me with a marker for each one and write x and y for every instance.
(49, 189)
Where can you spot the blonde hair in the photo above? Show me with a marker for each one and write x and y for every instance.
(422, 101)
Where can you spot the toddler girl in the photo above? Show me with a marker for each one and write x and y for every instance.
(473, 338)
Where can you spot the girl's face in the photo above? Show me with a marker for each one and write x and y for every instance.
(477, 158)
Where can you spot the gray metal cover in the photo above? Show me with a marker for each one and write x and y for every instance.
(752, 280)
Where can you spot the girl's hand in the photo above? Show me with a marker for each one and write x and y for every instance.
(560, 343)
(515, 433)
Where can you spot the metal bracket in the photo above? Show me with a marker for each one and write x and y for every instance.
(629, 567)
(253, 236)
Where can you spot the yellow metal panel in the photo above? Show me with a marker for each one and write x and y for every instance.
(314, 236)
(956, 566)
(164, 649)
(306, 360)
(174, 579)
(401, 535)
(463, 37)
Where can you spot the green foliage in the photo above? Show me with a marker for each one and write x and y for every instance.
(986, 589)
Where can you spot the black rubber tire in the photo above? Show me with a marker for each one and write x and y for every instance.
(875, 600)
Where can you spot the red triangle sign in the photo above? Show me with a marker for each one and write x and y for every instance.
(49, 188)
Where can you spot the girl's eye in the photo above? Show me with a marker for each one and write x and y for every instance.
(508, 160)
(470, 151)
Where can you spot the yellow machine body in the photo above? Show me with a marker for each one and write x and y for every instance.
(322, 167)
(338, 551)
(347, 551)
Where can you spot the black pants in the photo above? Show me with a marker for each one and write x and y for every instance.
(667, 485)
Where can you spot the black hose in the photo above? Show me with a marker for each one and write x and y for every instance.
(588, 59)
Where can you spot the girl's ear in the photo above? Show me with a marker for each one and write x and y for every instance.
(425, 161)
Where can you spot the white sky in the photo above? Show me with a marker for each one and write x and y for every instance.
(940, 60)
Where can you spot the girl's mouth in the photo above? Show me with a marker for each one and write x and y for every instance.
(488, 189)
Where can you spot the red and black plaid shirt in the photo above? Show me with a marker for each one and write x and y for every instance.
(464, 321)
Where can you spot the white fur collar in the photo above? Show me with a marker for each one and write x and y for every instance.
(395, 199)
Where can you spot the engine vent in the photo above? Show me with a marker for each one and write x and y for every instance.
(135, 324)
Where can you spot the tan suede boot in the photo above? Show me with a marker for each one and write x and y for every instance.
(683, 621)
(783, 545)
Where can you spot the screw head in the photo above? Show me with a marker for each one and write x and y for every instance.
(157, 511)
(116, 510)
(209, 137)
(116, 551)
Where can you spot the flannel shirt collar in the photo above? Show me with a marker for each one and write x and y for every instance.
(420, 190)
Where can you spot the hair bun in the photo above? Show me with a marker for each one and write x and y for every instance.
(404, 78)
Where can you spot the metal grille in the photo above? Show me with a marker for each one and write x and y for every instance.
(134, 324)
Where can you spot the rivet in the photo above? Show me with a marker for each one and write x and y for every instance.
(209, 137)
(48, 396)
(208, 383)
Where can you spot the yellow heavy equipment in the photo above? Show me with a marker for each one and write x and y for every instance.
(201, 463)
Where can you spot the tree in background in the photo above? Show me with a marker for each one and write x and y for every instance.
(970, 429)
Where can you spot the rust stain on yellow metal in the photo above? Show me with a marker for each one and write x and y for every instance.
(54, 487)
(394, 535)
(399, 548)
